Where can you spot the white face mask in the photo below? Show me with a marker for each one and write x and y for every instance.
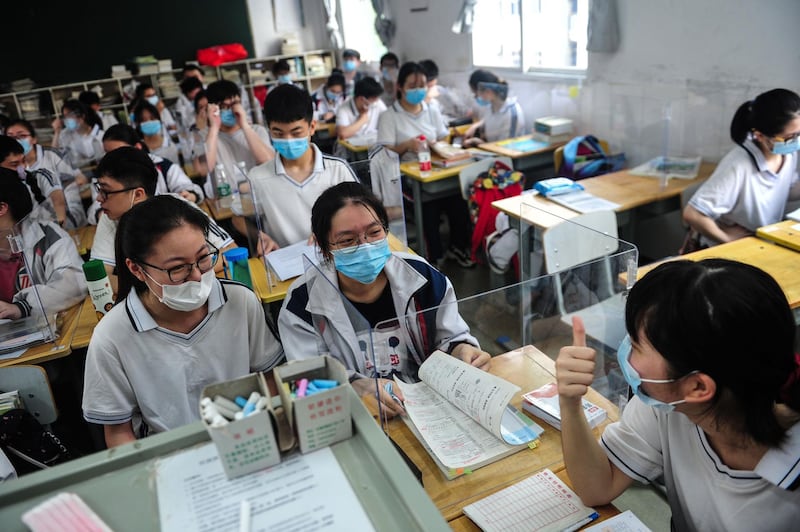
(187, 296)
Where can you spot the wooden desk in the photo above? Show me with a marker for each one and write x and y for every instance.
(85, 236)
(86, 322)
(212, 208)
(781, 263)
(354, 152)
(538, 159)
(528, 368)
(438, 183)
(629, 191)
(786, 233)
(58, 348)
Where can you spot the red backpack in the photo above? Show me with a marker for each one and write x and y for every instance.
(497, 183)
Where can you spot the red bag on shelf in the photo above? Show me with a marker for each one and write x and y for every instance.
(223, 53)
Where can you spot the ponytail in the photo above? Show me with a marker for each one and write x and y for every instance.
(740, 125)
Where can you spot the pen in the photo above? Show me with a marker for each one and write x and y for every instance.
(390, 390)
(244, 516)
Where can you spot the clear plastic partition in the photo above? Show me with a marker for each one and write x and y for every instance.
(342, 331)
(381, 173)
(19, 279)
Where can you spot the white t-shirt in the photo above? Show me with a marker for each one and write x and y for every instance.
(322, 105)
(136, 369)
(82, 150)
(285, 203)
(175, 179)
(232, 148)
(507, 122)
(397, 125)
(705, 494)
(52, 172)
(740, 193)
(106, 232)
(347, 114)
(168, 149)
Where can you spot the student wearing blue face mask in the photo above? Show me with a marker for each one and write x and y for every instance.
(351, 66)
(753, 182)
(154, 134)
(329, 97)
(231, 138)
(79, 132)
(503, 118)
(288, 186)
(716, 410)
(388, 288)
(398, 129)
(145, 92)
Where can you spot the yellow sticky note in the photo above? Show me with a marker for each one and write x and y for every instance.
(574, 91)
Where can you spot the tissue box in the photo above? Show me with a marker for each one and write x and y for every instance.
(248, 444)
(321, 419)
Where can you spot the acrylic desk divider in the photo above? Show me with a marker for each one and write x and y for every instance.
(37, 327)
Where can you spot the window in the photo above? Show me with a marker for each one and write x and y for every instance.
(358, 29)
(531, 35)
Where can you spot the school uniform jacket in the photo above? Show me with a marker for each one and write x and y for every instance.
(314, 319)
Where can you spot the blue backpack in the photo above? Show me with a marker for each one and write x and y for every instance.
(584, 157)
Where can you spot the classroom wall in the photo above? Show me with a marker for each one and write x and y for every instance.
(305, 18)
(701, 58)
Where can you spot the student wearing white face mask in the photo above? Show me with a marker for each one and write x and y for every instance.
(176, 328)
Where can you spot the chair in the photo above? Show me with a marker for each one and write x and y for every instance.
(568, 245)
(558, 155)
(469, 173)
(34, 389)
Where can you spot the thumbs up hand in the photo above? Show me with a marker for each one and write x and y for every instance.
(575, 364)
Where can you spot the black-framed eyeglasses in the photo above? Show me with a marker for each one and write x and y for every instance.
(103, 194)
(349, 244)
(180, 273)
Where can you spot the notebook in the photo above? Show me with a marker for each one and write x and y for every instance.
(541, 502)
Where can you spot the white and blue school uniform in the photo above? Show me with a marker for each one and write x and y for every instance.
(507, 122)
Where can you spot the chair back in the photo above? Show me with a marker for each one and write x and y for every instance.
(558, 155)
(34, 389)
(468, 174)
(566, 244)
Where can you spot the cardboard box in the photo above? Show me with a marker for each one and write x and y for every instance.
(553, 125)
(248, 444)
(321, 419)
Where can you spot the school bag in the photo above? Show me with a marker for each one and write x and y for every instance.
(584, 157)
(499, 182)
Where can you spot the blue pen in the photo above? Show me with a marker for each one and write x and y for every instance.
(390, 390)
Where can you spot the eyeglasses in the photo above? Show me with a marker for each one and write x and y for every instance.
(180, 273)
(790, 138)
(229, 104)
(103, 194)
(349, 244)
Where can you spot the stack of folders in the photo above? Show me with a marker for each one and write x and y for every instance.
(541, 502)
(543, 403)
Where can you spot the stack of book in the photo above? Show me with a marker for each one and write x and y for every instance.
(449, 155)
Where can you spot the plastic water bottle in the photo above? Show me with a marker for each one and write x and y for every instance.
(99, 287)
(224, 188)
(424, 156)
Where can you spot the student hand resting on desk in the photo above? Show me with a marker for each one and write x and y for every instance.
(9, 311)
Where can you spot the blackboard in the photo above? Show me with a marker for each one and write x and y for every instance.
(56, 42)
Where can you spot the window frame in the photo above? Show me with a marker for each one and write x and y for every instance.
(543, 73)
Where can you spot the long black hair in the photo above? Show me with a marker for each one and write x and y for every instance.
(408, 69)
(730, 321)
(142, 226)
(768, 113)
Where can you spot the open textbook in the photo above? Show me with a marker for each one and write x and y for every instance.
(462, 415)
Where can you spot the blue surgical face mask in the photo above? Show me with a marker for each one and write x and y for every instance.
(291, 148)
(71, 123)
(635, 381)
(388, 74)
(284, 79)
(150, 128)
(332, 96)
(365, 263)
(349, 65)
(26, 146)
(483, 103)
(152, 100)
(227, 117)
(415, 96)
(786, 147)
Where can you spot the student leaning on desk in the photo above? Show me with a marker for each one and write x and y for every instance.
(176, 327)
(752, 183)
(716, 410)
(387, 288)
(48, 251)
